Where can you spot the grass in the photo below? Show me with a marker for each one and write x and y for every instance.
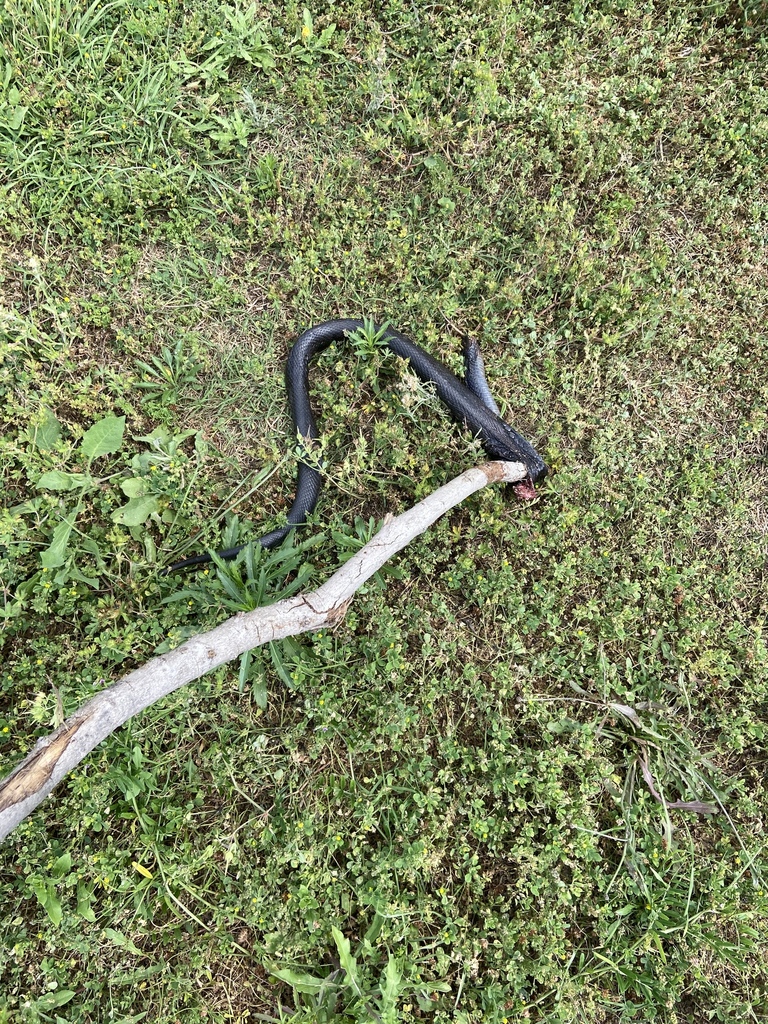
(443, 809)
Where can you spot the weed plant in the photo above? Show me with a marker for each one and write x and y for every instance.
(459, 804)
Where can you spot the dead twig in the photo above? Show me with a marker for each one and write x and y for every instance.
(55, 755)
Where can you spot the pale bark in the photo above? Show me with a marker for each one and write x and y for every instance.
(55, 755)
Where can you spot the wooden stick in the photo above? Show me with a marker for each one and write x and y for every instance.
(55, 755)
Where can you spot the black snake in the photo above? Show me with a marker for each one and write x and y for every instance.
(470, 401)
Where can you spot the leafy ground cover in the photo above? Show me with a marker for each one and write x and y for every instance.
(444, 809)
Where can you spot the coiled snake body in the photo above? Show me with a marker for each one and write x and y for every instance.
(470, 401)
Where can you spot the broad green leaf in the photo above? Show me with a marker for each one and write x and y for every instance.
(103, 437)
(53, 908)
(348, 962)
(279, 662)
(16, 118)
(90, 581)
(304, 983)
(435, 163)
(56, 552)
(375, 927)
(122, 940)
(61, 865)
(392, 982)
(53, 999)
(180, 595)
(136, 512)
(84, 909)
(150, 549)
(46, 433)
(47, 896)
(57, 480)
(135, 487)
(260, 693)
(161, 437)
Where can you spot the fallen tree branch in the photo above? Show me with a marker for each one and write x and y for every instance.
(55, 755)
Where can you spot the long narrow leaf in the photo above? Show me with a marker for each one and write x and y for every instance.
(348, 962)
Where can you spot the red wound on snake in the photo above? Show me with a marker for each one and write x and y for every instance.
(524, 489)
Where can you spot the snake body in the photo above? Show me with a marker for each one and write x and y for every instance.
(470, 401)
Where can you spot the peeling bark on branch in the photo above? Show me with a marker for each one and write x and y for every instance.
(54, 756)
